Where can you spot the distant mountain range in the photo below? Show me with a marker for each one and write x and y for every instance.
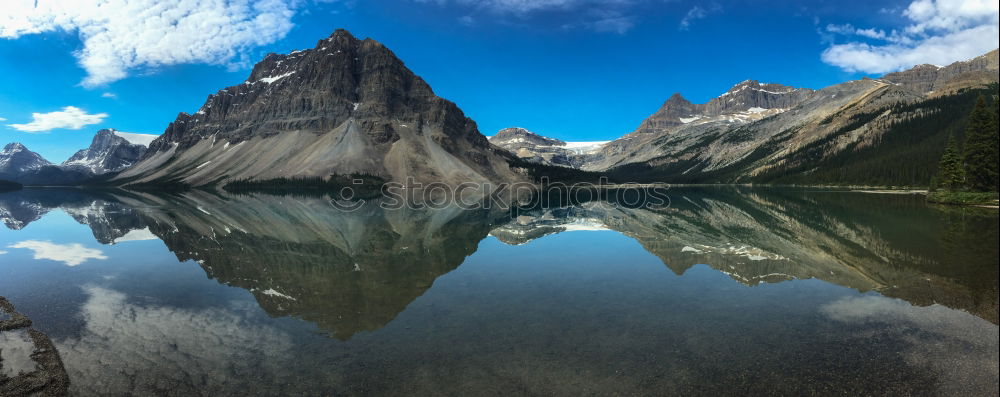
(887, 131)
(536, 148)
(110, 151)
(350, 107)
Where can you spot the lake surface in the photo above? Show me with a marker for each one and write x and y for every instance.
(726, 290)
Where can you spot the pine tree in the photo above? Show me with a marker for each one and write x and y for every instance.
(994, 139)
(951, 175)
(981, 151)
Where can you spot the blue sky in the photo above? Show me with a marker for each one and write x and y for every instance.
(571, 69)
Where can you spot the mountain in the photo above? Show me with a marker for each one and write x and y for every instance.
(347, 106)
(110, 151)
(18, 164)
(858, 132)
(748, 100)
(535, 148)
(932, 79)
(15, 159)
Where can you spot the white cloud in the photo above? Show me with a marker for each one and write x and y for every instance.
(70, 254)
(2, 119)
(121, 35)
(958, 347)
(938, 32)
(697, 12)
(131, 349)
(2, 252)
(16, 353)
(70, 117)
(110, 95)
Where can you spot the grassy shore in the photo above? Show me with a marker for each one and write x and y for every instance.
(963, 198)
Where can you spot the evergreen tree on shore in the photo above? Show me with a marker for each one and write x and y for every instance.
(951, 172)
(981, 148)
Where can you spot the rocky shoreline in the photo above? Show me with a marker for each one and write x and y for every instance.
(41, 372)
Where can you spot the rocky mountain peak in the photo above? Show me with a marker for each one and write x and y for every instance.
(109, 151)
(13, 147)
(338, 108)
(672, 113)
(342, 77)
(540, 149)
(751, 94)
(517, 137)
(16, 158)
(677, 100)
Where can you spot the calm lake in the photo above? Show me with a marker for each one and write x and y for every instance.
(726, 290)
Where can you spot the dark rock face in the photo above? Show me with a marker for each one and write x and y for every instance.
(107, 153)
(345, 106)
(925, 79)
(670, 114)
(920, 78)
(751, 94)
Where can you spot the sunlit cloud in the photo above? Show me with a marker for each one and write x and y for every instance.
(70, 117)
(939, 32)
(122, 35)
(70, 254)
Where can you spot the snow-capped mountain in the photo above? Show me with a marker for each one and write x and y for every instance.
(536, 148)
(16, 159)
(850, 132)
(110, 151)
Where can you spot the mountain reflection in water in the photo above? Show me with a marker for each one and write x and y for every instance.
(354, 273)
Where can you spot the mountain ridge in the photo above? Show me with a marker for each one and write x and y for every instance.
(538, 149)
(766, 132)
(109, 151)
(347, 106)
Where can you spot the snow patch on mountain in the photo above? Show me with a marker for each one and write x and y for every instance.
(136, 138)
(585, 147)
(272, 79)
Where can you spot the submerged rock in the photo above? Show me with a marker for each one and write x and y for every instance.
(29, 362)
